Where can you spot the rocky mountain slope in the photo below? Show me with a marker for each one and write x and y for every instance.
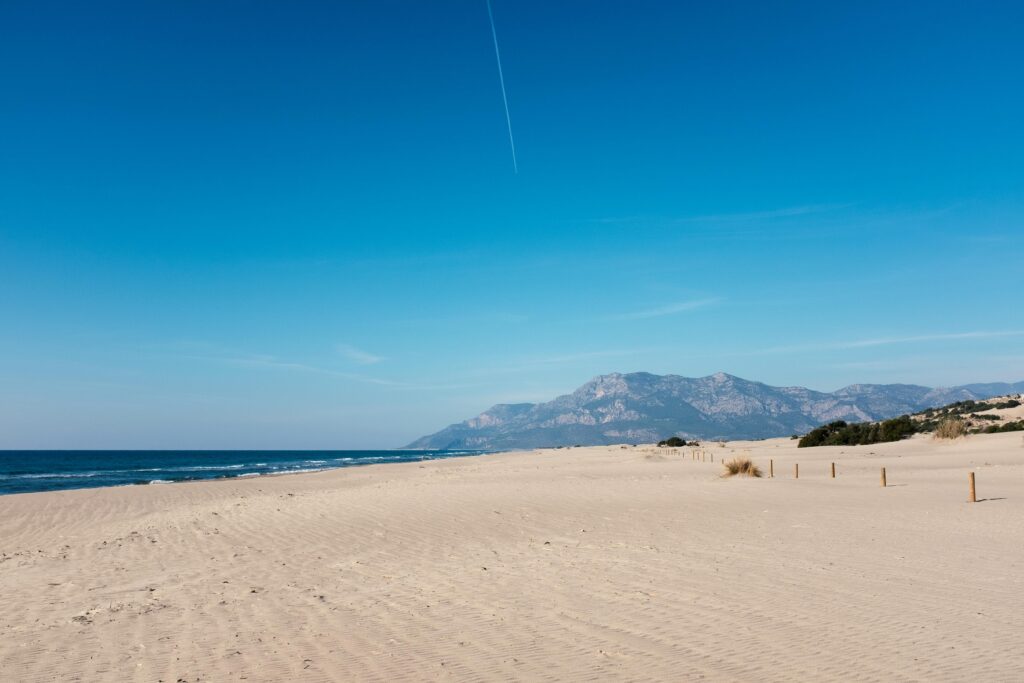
(641, 407)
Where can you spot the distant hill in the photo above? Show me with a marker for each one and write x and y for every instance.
(641, 407)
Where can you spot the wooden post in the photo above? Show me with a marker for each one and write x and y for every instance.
(883, 477)
(970, 478)
(833, 470)
(771, 469)
(796, 470)
(712, 457)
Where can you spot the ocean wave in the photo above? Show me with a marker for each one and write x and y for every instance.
(56, 475)
(204, 468)
(387, 458)
(192, 468)
(299, 471)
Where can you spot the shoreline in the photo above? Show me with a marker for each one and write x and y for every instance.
(607, 562)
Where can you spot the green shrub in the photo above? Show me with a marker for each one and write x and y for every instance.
(968, 407)
(676, 442)
(839, 433)
(1017, 426)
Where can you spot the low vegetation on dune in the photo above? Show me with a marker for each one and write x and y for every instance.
(840, 433)
(968, 408)
(971, 413)
(948, 422)
(676, 442)
(742, 466)
(1017, 426)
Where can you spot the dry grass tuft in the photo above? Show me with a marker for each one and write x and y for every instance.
(742, 466)
(951, 428)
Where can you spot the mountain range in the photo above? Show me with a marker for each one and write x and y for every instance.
(640, 407)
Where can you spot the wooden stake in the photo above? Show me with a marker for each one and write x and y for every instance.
(883, 477)
(833, 470)
(796, 470)
(970, 478)
(771, 469)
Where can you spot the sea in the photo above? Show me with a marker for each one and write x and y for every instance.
(30, 471)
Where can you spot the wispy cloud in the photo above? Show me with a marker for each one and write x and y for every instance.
(887, 341)
(216, 354)
(544, 362)
(670, 309)
(461, 318)
(272, 362)
(259, 360)
(357, 355)
(932, 337)
(786, 212)
(767, 214)
(576, 357)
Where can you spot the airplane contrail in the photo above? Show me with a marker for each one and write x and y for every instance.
(501, 79)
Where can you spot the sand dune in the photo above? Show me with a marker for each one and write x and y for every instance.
(584, 564)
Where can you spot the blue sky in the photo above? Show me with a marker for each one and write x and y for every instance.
(271, 225)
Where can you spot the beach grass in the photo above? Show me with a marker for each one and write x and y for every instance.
(743, 466)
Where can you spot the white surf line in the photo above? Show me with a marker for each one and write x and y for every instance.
(504, 96)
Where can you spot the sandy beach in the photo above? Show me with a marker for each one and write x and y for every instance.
(603, 563)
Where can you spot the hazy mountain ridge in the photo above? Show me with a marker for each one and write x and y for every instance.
(641, 407)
